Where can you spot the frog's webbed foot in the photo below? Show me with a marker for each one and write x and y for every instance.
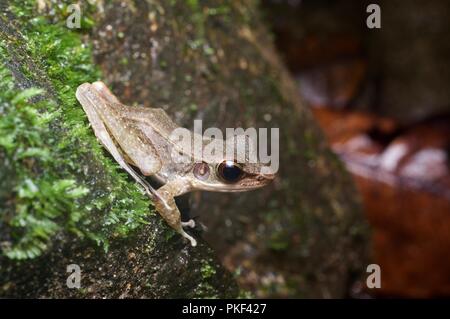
(190, 223)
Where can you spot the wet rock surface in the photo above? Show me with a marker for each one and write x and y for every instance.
(141, 266)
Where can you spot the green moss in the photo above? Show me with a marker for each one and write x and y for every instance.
(205, 291)
(56, 11)
(207, 270)
(40, 198)
(62, 179)
(244, 294)
(198, 17)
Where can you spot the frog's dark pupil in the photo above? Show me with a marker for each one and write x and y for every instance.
(230, 172)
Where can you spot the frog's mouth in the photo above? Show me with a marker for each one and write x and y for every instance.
(255, 182)
(247, 183)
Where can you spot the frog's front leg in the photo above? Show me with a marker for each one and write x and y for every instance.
(168, 209)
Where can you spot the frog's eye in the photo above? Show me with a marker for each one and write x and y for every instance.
(229, 171)
(201, 171)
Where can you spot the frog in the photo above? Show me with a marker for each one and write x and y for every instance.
(140, 139)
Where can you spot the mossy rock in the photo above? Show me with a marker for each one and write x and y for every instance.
(63, 200)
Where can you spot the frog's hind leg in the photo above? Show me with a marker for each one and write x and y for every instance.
(87, 95)
(144, 155)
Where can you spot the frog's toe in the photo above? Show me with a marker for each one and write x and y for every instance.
(190, 223)
(191, 239)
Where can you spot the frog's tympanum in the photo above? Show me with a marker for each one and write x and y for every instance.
(141, 137)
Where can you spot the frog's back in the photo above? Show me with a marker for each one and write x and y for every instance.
(156, 118)
(159, 127)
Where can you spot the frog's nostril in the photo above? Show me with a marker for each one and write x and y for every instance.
(262, 178)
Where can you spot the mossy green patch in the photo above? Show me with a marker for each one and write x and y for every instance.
(207, 270)
(205, 291)
(61, 179)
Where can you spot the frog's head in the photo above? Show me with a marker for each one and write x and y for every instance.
(222, 174)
